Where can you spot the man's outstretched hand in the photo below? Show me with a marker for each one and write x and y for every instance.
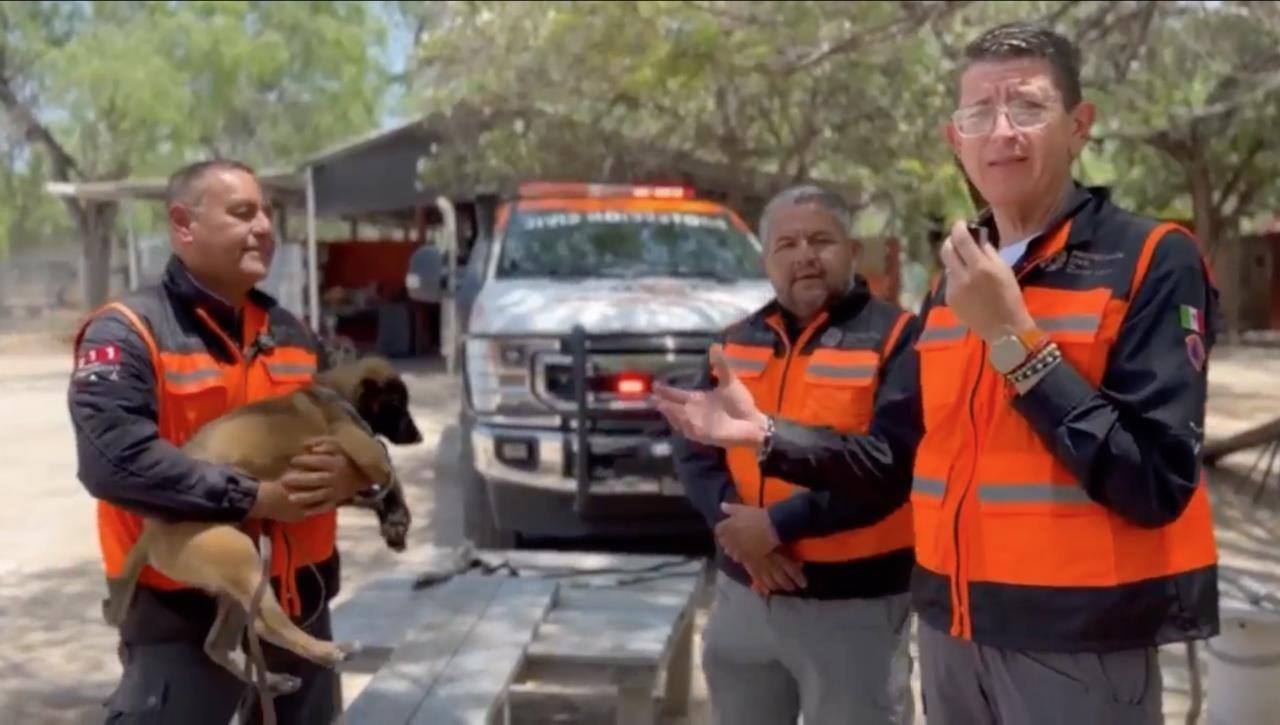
(724, 416)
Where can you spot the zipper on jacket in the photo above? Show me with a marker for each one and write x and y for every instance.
(789, 353)
(958, 587)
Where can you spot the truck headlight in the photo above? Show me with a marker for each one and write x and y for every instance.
(500, 374)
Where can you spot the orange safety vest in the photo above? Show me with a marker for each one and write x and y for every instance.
(1004, 532)
(826, 377)
(193, 388)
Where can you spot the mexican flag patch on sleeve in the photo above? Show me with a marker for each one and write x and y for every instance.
(1191, 318)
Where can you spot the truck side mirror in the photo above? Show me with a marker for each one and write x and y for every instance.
(427, 279)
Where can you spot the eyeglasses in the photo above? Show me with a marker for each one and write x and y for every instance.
(980, 120)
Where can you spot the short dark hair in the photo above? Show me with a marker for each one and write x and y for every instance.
(1018, 40)
(185, 183)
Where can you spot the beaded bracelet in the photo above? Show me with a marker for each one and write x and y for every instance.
(1048, 357)
(1026, 385)
(1033, 354)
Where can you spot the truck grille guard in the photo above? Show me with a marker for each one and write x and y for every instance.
(580, 345)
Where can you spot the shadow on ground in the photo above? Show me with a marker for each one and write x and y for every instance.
(59, 660)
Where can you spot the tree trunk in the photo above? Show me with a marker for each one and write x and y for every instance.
(96, 222)
(1223, 245)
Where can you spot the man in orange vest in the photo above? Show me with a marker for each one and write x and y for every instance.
(1062, 522)
(824, 632)
(150, 370)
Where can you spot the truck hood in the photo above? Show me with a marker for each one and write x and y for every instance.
(650, 304)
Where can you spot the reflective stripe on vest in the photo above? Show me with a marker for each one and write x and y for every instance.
(829, 387)
(193, 388)
(1022, 517)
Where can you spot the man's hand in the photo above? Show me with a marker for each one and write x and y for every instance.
(323, 477)
(775, 572)
(725, 416)
(273, 503)
(981, 288)
(747, 534)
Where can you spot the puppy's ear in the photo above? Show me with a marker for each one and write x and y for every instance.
(366, 392)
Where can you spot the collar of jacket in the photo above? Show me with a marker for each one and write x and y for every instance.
(179, 283)
(1082, 205)
(842, 308)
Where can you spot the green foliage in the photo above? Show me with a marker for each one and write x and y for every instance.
(853, 93)
(1196, 101)
(28, 215)
(137, 88)
(791, 90)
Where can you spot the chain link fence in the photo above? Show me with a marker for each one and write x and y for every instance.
(41, 292)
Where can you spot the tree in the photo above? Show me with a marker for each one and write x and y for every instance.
(104, 90)
(1190, 100)
(856, 93)
(29, 217)
(793, 90)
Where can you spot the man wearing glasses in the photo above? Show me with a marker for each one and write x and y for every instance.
(1062, 525)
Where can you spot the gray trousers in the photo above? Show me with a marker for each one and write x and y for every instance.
(769, 660)
(971, 684)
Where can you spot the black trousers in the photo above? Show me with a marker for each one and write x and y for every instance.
(175, 682)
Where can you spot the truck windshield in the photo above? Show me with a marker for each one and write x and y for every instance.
(626, 243)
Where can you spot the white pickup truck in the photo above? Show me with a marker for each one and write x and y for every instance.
(575, 298)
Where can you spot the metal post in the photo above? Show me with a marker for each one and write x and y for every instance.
(131, 245)
(449, 303)
(581, 456)
(313, 265)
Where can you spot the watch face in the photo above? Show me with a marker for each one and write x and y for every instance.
(1007, 353)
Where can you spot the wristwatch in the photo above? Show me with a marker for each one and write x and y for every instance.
(1009, 352)
(766, 446)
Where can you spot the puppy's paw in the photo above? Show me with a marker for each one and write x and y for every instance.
(349, 649)
(395, 529)
(279, 683)
(335, 653)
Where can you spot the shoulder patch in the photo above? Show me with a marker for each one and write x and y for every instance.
(1196, 352)
(98, 363)
(1191, 319)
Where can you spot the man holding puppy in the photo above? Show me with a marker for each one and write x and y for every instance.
(150, 370)
(810, 614)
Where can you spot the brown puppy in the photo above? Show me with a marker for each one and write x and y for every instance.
(349, 405)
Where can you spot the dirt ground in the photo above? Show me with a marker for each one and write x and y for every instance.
(59, 659)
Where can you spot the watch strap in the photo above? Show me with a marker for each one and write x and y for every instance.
(1034, 339)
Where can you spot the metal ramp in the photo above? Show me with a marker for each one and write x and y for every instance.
(524, 637)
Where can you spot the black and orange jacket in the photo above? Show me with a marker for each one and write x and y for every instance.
(1073, 517)
(832, 375)
(150, 370)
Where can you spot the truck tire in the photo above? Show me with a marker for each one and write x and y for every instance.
(477, 515)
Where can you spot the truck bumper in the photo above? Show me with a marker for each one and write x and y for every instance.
(533, 488)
